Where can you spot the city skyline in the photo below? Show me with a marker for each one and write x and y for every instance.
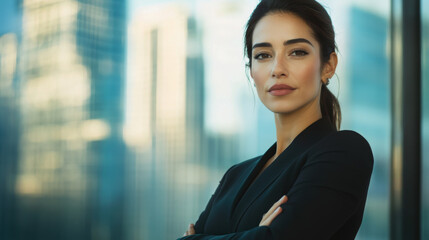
(113, 110)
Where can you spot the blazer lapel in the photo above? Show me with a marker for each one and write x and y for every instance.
(249, 193)
(251, 173)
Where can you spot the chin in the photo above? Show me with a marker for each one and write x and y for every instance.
(283, 111)
(281, 108)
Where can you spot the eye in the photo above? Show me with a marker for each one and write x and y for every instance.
(299, 53)
(262, 56)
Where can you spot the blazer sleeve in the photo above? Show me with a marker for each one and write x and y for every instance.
(331, 186)
(200, 223)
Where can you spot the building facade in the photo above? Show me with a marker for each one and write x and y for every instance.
(71, 165)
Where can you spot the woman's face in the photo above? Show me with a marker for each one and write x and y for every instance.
(284, 51)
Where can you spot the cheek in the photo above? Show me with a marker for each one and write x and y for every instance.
(309, 73)
(259, 73)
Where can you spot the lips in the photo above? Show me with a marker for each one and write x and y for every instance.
(280, 90)
(280, 87)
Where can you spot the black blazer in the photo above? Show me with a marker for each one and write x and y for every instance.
(325, 174)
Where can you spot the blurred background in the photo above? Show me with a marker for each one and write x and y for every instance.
(118, 118)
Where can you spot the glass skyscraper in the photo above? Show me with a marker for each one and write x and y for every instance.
(71, 163)
(368, 94)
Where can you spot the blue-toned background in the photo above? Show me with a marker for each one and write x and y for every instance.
(118, 119)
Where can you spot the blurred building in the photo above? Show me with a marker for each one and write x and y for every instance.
(232, 105)
(163, 118)
(69, 183)
(9, 130)
(367, 108)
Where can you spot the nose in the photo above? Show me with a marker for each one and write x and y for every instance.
(279, 67)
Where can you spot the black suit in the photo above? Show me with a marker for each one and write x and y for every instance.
(325, 174)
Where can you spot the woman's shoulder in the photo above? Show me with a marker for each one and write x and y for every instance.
(347, 142)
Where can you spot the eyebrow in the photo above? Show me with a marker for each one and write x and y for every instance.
(288, 42)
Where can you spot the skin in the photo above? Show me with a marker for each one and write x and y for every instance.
(286, 52)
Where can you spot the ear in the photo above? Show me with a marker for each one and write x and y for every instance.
(329, 67)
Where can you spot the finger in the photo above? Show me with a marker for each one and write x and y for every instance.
(270, 218)
(274, 207)
(191, 229)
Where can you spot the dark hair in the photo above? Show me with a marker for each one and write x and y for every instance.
(319, 21)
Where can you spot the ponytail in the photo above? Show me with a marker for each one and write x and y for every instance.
(330, 107)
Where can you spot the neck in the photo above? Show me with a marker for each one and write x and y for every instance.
(289, 125)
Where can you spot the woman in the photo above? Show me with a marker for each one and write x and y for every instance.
(313, 182)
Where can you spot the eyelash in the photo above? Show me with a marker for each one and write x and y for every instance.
(261, 54)
(302, 52)
(295, 52)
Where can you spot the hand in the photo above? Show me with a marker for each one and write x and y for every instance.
(275, 210)
(190, 230)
